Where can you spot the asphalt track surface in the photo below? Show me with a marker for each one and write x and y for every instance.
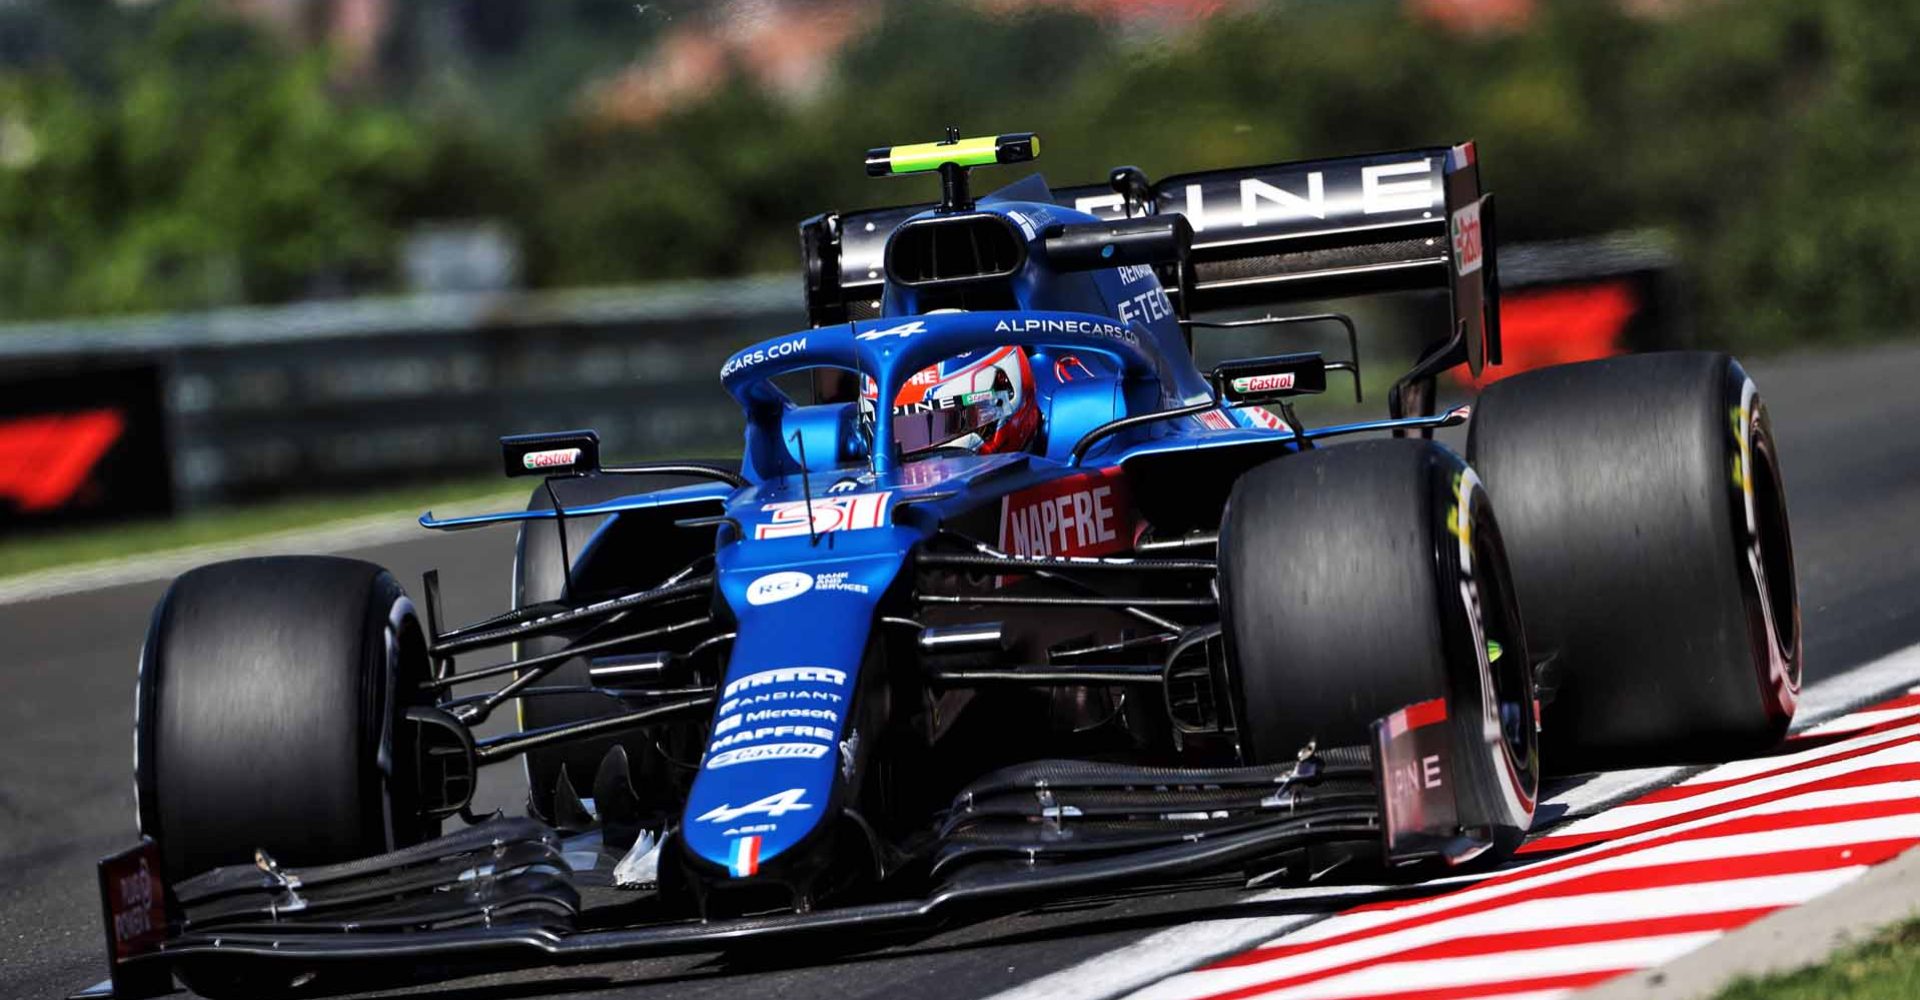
(1852, 464)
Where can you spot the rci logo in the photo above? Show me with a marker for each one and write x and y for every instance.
(776, 587)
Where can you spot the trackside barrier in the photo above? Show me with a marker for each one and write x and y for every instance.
(244, 404)
(112, 418)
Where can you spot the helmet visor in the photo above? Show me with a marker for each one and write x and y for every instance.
(964, 419)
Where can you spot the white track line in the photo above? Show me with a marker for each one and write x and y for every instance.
(1555, 911)
(1624, 817)
(1531, 915)
(339, 536)
(1898, 670)
(1440, 973)
(1165, 953)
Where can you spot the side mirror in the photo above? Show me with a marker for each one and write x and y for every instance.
(1252, 380)
(555, 453)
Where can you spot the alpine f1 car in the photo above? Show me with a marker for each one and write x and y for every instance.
(1006, 599)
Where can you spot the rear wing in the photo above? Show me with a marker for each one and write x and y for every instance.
(1282, 232)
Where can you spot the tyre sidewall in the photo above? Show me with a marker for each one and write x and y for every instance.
(266, 714)
(1491, 702)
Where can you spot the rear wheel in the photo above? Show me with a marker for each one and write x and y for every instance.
(267, 714)
(1361, 579)
(1643, 509)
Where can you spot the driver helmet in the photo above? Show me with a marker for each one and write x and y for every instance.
(980, 402)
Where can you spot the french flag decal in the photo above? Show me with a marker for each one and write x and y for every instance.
(744, 858)
(1460, 157)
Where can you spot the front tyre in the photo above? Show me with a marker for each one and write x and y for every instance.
(1361, 579)
(267, 714)
(1643, 508)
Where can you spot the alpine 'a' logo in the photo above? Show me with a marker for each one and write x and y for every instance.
(902, 330)
(776, 805)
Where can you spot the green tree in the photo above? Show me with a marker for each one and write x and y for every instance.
(214, 167)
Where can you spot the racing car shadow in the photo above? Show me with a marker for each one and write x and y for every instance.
(1053, 927)
(1120, 914)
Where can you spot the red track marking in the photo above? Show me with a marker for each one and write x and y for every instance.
(1766, 822)
(1687, 790)
(1571, 981)
(1856, 779)
(1622, 880)
(1713, 844)
(1903, 709)
(1554, 937)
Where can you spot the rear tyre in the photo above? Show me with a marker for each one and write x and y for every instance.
(267, 714)
(1361, 579)
(1644, 514)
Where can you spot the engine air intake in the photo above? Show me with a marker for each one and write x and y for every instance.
(955, 249)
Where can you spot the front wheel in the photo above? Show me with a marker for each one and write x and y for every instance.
(1361, 579)
(267, 715)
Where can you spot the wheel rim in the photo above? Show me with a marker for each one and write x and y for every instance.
(1767, 574)
(1500, 687)
(1515, 702)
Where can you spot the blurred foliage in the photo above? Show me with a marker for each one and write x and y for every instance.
(210, 166)
(158, 156)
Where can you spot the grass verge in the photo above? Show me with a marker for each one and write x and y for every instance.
(1884, 967)
(94, 544)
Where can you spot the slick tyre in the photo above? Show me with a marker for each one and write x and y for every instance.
(1361, 579)
(1647, 528)
(267, 715)
(621, 561)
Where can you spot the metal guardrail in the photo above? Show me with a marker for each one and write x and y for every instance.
(260, 401)
(254, 402)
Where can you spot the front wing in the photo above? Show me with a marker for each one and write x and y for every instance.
(515, 893)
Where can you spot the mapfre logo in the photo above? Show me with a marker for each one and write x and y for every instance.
(776, 587)
(1085, 515)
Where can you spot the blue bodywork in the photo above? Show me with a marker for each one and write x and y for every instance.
(805, 576)
(783, 723)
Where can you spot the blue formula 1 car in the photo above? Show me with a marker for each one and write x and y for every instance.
(1006, 599)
